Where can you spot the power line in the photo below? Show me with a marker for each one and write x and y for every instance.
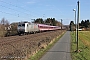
(7, 7)
(17, 7)
(20, 12)
(9, 13)
(13, 9)
(11, 4)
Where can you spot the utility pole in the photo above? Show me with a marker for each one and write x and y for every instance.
(33, 20)
(77, 24)
(61, 24)
(43, 18)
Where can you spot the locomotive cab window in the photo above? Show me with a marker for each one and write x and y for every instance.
(19, 25)
(23, 24)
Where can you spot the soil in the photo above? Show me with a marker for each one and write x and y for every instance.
(22, 47)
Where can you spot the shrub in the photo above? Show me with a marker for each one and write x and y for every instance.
(2, 31)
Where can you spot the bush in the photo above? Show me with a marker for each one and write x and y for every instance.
(2, 31)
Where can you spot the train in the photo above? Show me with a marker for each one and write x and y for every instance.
(26, 28)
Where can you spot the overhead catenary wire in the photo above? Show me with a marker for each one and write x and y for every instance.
(12, 5)
(13, 9)
(8, 13)
(21, 13)
(18, 7)
(17, 13)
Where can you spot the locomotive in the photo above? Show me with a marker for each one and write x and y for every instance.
(26, 27)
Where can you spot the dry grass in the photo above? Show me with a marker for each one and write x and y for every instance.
(26, 45)
(2, 31)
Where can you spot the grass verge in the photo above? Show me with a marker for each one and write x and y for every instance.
(41, 52)
(84, 53)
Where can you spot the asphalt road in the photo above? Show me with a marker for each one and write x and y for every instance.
(61, 50)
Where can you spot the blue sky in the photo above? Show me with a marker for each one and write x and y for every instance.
(25, 10)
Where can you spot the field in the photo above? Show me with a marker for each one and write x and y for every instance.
(84, 46)
(22, 47)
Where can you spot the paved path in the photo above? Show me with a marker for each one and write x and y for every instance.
(61, 50)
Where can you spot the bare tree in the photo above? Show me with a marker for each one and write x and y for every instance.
(7, 22)
(4, 27)
(4, 22)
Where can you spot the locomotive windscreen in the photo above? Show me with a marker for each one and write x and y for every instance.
(22, 25)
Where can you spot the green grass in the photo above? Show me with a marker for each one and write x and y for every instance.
(83, 46)
(40, 53)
